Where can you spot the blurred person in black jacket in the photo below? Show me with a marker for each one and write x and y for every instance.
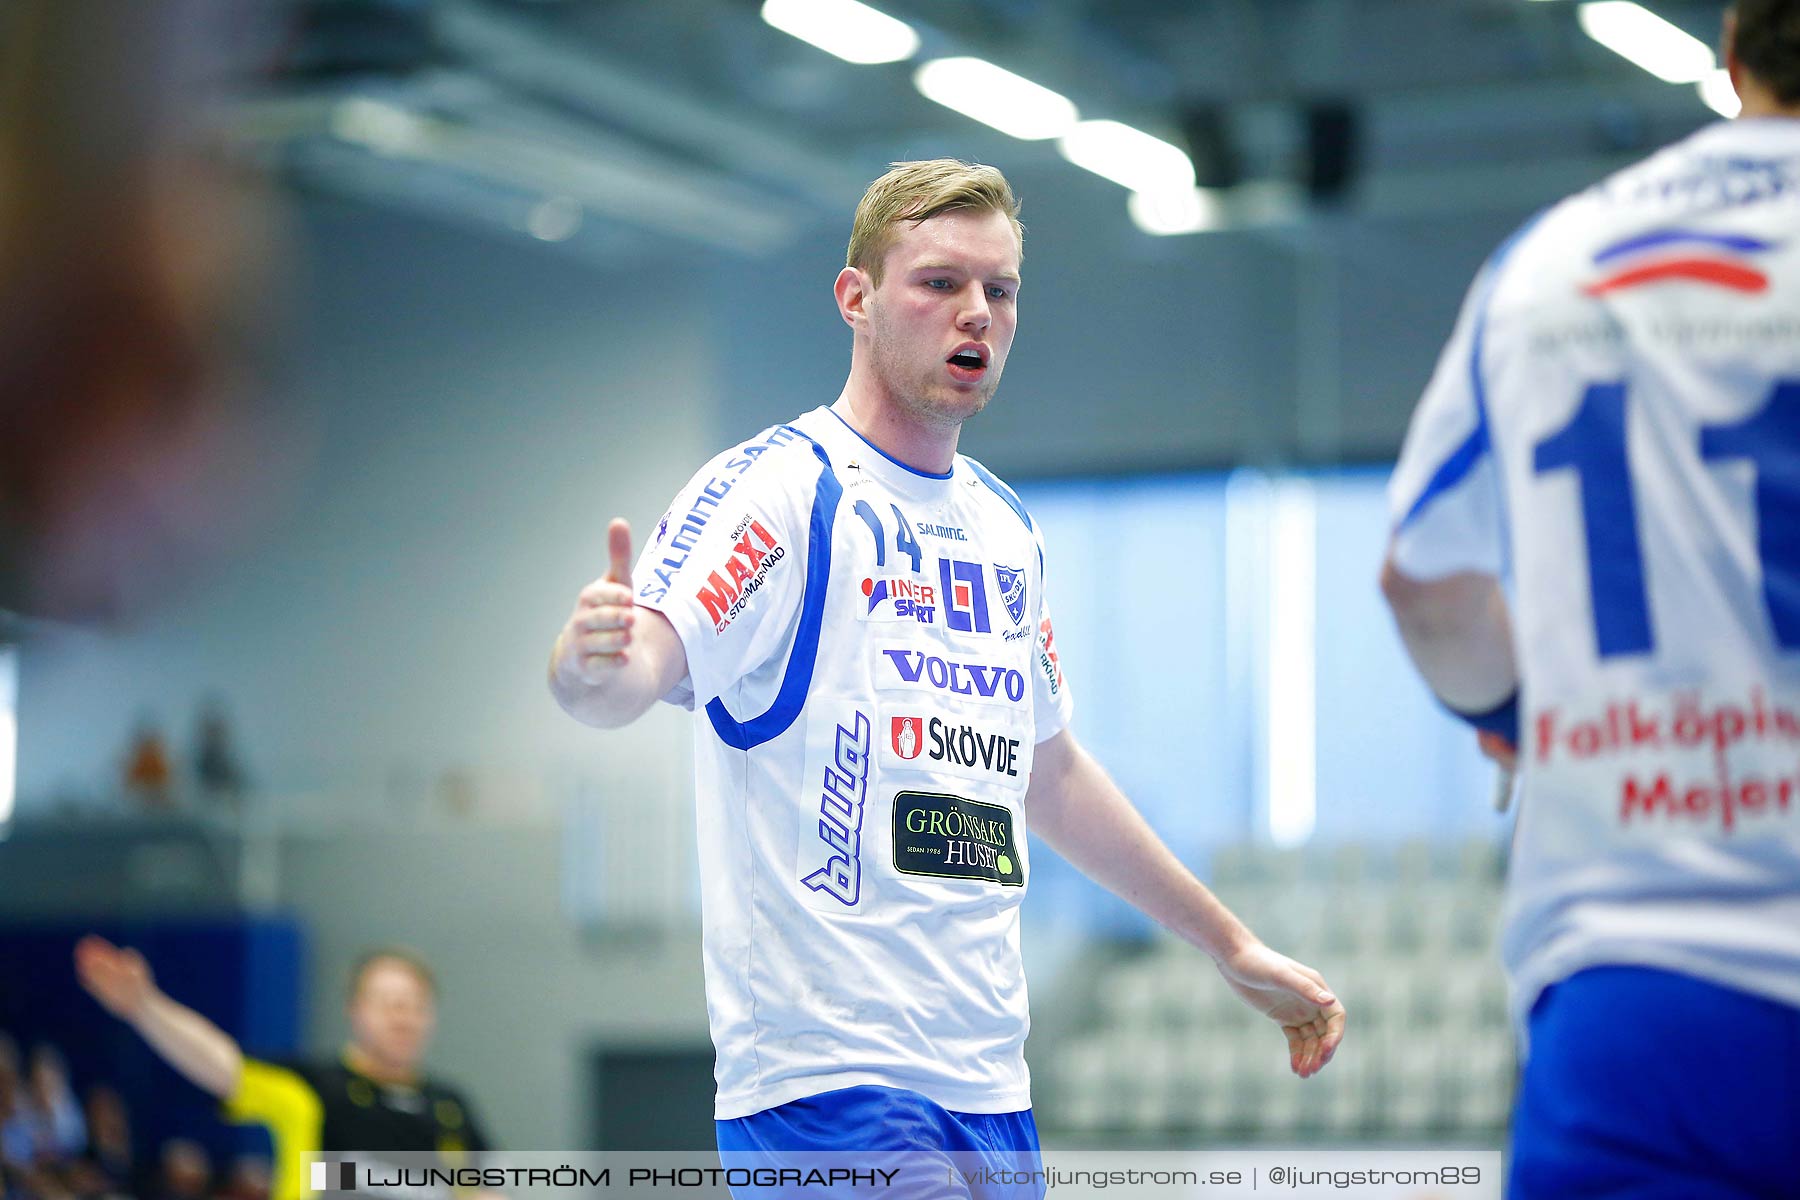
(373, 1097)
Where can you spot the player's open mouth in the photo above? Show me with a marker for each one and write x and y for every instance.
(968, 363)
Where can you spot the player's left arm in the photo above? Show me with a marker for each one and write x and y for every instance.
(1458, 632)
(1081, 812)
(1441, 572)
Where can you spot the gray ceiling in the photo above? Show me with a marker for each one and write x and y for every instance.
(600, 123)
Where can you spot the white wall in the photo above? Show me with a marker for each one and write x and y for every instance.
(482, 409)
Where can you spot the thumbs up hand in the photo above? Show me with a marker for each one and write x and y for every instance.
(618, 549)
(615, 658)
(596, 640)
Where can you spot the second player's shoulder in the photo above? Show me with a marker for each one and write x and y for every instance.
(1665, 186)
(1571, 252)
(1549, 265)
(1717, 167)
(1553, 239)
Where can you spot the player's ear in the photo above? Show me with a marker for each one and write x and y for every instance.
(852, 290)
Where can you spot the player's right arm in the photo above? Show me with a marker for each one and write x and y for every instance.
(121, 981)
(614, 658)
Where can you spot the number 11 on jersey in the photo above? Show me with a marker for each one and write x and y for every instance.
(1593, 444)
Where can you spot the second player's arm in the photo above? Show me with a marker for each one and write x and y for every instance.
(1458, 633)
(1075, 806)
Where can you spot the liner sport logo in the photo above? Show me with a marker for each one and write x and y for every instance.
(1012, 590)
(899, 598)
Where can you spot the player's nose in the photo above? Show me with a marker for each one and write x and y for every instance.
(976, 315)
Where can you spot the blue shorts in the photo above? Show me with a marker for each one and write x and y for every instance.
(1657, 1086)
(934, 1152)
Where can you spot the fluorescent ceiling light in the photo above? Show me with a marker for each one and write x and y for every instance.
(1631, 30)
(554, 220)
(1186, 210)
(852, 31)
(994, 96)
(1719, 95)
(382, 127)
(1129, 157)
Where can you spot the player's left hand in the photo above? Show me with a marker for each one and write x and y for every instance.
(1292, 995)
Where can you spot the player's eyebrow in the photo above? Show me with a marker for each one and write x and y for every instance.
(1003, 276)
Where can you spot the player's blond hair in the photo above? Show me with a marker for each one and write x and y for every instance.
(919, 191)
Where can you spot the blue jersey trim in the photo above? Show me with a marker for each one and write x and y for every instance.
(1466, 456)
(796, 681)
(877, 449)
(1001, 490)
(1458, 465)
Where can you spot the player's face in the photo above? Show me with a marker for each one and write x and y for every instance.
(392, 1014)
(942, 320)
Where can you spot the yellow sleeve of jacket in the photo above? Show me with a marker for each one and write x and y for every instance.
(284, 1102)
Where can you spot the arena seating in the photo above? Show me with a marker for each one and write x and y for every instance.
(1406, 937)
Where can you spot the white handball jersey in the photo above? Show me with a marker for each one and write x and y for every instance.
(1617, 419)
(870, 664)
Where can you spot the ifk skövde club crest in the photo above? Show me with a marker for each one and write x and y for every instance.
(1012, 590)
